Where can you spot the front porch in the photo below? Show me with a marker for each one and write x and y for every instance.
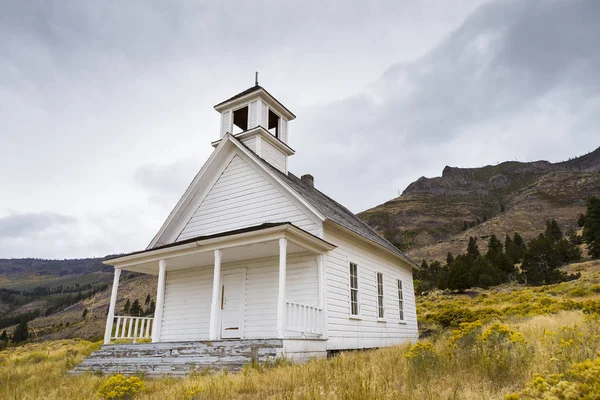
(258, 283)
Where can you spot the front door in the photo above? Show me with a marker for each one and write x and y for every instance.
(232, 305)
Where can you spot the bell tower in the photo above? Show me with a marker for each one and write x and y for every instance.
(259, 121)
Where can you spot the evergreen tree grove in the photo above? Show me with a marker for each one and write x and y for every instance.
(591, 227)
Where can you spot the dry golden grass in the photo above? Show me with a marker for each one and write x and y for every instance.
(40, 370)
(544, 340)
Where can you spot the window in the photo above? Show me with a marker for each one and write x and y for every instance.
(240, 120)
(400, 300)
(353, 289)
(273, 123)
(380, 311)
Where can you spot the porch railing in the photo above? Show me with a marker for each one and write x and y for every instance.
(133, 328)
(303, 318)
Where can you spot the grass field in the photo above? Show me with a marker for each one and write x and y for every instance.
(540, 349)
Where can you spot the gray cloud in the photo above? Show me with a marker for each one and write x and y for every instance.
(510, 72)
(106, 107)
(166, 183)
(19, 225)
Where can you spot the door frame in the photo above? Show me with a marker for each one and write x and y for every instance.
(241, 270)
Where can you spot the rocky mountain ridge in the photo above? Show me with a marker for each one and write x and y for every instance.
(436, 215)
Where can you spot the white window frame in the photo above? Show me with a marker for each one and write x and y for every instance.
(353, 289)
(380, 296)
(401, 301)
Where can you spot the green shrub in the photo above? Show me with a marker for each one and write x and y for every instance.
(118, 387)
(595, 288)
(581, 381)
(579, 292)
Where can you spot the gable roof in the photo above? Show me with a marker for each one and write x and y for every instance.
(331, 209)
(319, 204)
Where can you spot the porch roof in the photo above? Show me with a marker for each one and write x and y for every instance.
(260, 237)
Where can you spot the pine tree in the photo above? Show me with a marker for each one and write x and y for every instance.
(4, 337)
(591, 227)
(449, 258)
(541, 262)
(136, 309)
(484, 274)
(518, 240)
(494, 247)
(85, 313)
(581, 220)
(507, 242)
(473, 249)
(553, 231)
(148, 298)
(459, 275)
(151, 307)
(569, 252)
(127, 307)
(21, 332)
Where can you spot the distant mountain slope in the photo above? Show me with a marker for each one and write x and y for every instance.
(437, 215)
(52, 295)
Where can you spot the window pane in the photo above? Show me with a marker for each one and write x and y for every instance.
(380, 311)
(400, 300)
(353, 289)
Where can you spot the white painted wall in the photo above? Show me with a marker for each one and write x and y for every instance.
(188, 292)
(240, 198)
(251, 143)
(345, 332)
(186, 311)
(270, 154)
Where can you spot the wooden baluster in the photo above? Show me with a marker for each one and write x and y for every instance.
(148, 328)
(130, 327)
(117, 328)
(135, 330)
(124, 328)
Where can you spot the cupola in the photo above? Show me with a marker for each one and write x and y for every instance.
(259, 121)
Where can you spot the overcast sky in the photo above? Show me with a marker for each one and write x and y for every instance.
(106, 106)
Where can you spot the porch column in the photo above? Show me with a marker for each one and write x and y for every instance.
(213, 329)
(281, 298)
(321, 277)
(322, 295)
(160, 301)
(110, 318)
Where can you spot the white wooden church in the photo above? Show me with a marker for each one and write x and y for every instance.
(253, 257)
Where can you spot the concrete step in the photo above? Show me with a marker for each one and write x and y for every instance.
(178, 358)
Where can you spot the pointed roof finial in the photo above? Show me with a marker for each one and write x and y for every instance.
(255, 78)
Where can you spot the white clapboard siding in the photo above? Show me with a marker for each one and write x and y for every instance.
(347, 333)
(273, 156)
(252, 114)
(186, 311)
(240, 198)
(250, 143)
(302, 282)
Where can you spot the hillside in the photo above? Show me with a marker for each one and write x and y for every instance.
(53, 294)
(437, 215)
